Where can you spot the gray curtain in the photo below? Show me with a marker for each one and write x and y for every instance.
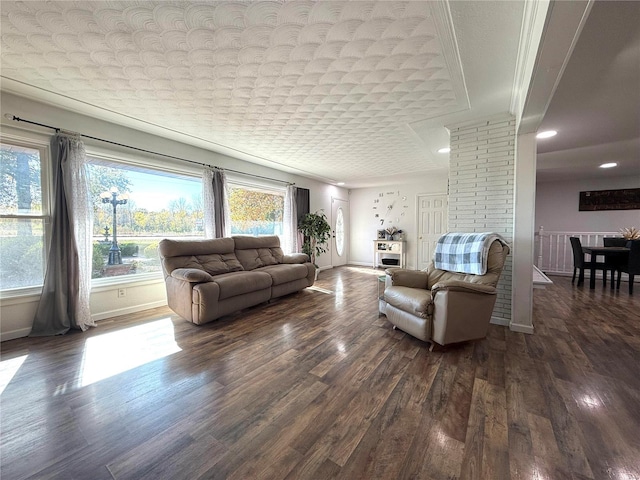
(302, 208)
(290, 221)
(217, 221)
(64, 303)
(302, 202)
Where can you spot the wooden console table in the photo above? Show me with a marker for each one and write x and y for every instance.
(393, 247)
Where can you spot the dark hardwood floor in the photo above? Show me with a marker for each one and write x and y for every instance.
(318, 386)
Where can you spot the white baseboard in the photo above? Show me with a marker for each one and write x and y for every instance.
(515, 327)
(13, 334)
(362, 264)
(127, 310)
(500, 321)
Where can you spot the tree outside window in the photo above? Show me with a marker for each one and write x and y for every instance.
(22, 217)
(255, 211)
(161, 205)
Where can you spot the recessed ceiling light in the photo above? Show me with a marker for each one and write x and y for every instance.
(547, 134)
(444, 150)
(609, 165)
(340, 184)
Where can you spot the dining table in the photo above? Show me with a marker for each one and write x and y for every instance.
(607, 252)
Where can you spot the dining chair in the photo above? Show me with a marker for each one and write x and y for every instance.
(580, 265)
(632, 267)
(613, 261)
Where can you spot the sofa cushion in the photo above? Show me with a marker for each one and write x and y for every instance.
(218, 263)
(187, 261)
(242, 242)
(238, 283)
(253, 258)
(285, 273)
(179, 248)
(218, 253)
(256, 252)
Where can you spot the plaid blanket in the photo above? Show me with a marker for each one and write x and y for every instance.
(464, 252)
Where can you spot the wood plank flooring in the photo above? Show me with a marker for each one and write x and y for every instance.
(317, 386)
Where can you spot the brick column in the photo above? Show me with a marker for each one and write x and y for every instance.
(481, 189)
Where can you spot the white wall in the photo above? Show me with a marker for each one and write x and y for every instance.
(557, 206)
(16, 314)
(364, 224)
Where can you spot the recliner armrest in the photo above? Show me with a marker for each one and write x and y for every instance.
(296, 258)
(191, 275)
(459, 286)
(401, 277)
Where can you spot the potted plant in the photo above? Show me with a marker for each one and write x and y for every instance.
(630, 233)
(391, 231)
(316, 231)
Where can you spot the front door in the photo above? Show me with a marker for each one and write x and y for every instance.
(339, 232)
(432, 223)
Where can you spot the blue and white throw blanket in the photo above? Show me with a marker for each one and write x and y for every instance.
(464, 252)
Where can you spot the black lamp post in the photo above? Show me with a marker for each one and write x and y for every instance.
(112, 197)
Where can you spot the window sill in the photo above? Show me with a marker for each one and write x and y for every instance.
(106, 284)
(16, 296)
(32, 294)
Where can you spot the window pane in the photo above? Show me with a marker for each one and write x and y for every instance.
(21, 255)
(340, 232)
(20, 185)
(157, 205)
(255, 211)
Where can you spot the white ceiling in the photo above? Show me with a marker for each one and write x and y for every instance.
(596, 107)
(340, 91)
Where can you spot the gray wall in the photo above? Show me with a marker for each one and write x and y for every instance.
(557, 206)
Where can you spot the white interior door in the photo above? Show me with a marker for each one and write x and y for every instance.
(432, 223)
(339, 232)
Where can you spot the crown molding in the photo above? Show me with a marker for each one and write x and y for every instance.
(446, 34)
(532, 24)
(563, 25)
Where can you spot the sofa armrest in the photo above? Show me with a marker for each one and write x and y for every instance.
(401, 277)
(296, 258)
(452, 306)
(191, 275)
(459, 286)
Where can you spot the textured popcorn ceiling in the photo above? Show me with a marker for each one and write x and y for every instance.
(328, 88)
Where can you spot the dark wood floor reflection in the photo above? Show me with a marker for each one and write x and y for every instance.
(317, 386)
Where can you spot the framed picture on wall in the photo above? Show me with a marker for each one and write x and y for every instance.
(621, 199)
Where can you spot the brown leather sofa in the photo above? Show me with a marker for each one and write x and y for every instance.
(206, 279)
(444, 307)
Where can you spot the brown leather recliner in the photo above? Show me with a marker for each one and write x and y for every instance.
(441, 306)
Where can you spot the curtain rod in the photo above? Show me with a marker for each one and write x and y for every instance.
(58, 130)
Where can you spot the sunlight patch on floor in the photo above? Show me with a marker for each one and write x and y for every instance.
(8, 370)
(113, 353)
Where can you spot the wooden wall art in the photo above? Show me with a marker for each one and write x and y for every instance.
(622, 199)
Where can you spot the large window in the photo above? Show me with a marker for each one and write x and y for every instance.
(255, 210)
(23, 215)
(139, 204)
(149, 205)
